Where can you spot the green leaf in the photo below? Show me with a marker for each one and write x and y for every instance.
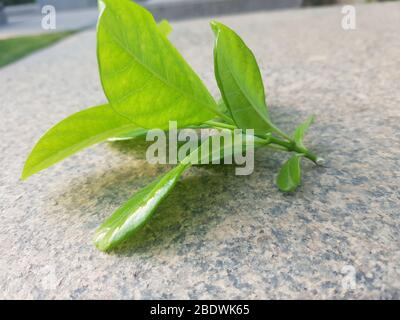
(301, 130)
(289, 176)
(75, 133)
(239, 80)
(164, 27)
(143, 76)
(129, 218)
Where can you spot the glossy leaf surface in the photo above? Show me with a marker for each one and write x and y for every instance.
(129, 218)
(239, 80)
(74, 133)
(143, 75)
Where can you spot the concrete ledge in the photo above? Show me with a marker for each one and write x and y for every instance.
(71, 4)
(22, 9)
(183, 9)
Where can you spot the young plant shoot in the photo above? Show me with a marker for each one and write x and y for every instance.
(148, 84)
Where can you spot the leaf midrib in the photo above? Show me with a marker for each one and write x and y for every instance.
(244, 93)
(156, 75)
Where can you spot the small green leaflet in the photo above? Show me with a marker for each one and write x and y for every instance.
(239, 80)
(136, 211)
(164, 27)
(289, 176)
(73, 134)
(298, 135)
(143, 76)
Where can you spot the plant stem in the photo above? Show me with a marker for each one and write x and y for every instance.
(275, 143)
(292, 146)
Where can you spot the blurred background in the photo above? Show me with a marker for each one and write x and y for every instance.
(220, 236)
(26, 25)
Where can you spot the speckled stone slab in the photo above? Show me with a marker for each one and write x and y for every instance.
(218, 235)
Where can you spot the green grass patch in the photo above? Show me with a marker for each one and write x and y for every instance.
(13, 49)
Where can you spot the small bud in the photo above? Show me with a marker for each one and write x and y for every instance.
(320, 161)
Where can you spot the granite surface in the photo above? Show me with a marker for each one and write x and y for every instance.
(218, 235)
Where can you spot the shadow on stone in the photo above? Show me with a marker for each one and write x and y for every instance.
(199, 204)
